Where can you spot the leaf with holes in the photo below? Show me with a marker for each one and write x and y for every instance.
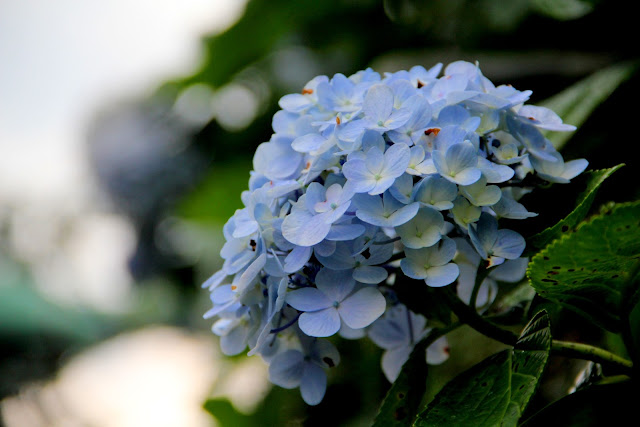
(529, 359)
(590, 271)
(479, 396)
(583, 203)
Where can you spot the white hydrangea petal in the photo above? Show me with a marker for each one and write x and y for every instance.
(438, 352)
(393, 360)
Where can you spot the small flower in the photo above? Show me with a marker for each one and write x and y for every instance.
(332, 301)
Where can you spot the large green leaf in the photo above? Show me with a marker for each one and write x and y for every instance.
(479, 396)
(577, 102)
(594, 180)
(497, 390)
(599, 405)
(529, 359)
(589, 271)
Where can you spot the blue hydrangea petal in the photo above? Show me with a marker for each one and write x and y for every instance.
(574, 168)
(302, 228)
(322, 323)
(309, 143)
(362, 308)
(252, 271)
(442, 275)
(277, 161)
(297, 258)
(509, 244)
(286, 369)
(378, 103)
(370, 275)
(402, 188)
(326, 247)
(234, 342)
(374, 160)
(423, 230)
(484, 234)
(544, 118)
(308, 299)
(335, 284)
(344, 232)
(313, 383)
(437, 192)
(360, 179)
(396, 160)
(481, 194)
(512, 271)
(295, 102)
(494, 173)
(412, 268)
(341, 259)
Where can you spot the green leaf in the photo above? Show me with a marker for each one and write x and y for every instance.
(226, 414)
(529, 359)
(577, 102)
(599, 405)
(223, 185)
(403, 399)
(582, 206)
(479, 396)
(590, 270)
(562, 9)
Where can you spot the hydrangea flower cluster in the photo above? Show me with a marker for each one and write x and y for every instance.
(366, 176)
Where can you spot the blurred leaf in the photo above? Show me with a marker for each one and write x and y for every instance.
(576, 103)
(582, 205)
(529, 359)
(599, 405)
(562, 9)
(479, 396)
(24, 311)
(589, 271)
(217, 197)
(226, 414)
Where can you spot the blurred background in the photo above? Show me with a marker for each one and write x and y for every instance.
(127, 131)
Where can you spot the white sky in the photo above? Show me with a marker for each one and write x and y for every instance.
(60, 62)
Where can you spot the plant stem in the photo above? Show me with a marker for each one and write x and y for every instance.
(594, 354)
(469, 316)
(481, 274)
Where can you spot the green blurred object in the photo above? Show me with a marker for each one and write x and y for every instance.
(576, 103)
